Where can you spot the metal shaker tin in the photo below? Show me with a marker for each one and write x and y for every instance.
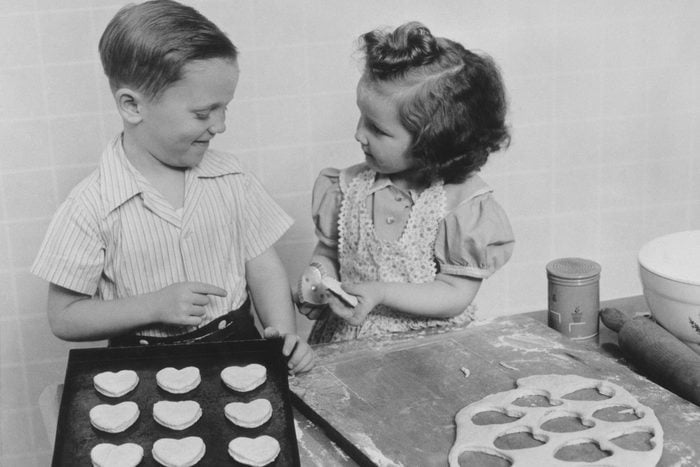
(574, 297)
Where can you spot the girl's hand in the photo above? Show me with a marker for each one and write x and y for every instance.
(312, 312)
(369, 295)
(300, 355)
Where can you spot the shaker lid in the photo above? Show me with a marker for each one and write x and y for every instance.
(573, 268)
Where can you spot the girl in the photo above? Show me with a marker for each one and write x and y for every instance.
(413, 230)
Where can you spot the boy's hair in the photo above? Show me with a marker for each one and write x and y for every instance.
(451, 100)
(145, 46)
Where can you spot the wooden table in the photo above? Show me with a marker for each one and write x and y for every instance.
(394, 402)
(356, 383)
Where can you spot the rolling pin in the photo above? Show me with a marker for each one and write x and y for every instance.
(657, 353)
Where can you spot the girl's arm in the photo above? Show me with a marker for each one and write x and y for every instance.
(77, 317)
(445, 297)
(269, 288)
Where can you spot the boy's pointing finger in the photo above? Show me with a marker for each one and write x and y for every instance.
(207, 289)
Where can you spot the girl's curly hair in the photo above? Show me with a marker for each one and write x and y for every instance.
(452, 100)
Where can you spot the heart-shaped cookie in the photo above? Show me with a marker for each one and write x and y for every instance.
(117, 384)
(177, 415)
(249, 414)
(178, 381)
(111, 455)
(114, 418)
(183, 452)
(254, 451)
(244, 378)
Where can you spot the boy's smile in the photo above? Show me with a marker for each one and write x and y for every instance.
(175, 129)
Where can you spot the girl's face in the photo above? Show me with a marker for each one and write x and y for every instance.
(384, 140)
(176, 128)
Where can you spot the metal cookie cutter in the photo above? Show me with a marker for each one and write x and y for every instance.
(315, 286)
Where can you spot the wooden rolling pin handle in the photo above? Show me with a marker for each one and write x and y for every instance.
(613, 318)
(657, 353)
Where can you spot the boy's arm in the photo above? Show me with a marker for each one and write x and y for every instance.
(77, 317)
(269, 288)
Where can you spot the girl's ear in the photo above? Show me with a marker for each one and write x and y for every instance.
(129, 105)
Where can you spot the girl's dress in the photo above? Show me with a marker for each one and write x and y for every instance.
(454, 229)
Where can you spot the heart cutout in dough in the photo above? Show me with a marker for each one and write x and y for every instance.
(183, 452)
(114, 418)
(178, 381)
(254, 451)
(177, 415)
(249, 414)
(111, 455)
(244, 378)
(117, 384)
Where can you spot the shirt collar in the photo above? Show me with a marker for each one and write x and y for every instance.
(382, 181)
(121, 181)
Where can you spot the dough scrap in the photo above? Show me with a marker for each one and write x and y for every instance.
(177, 415)
(183, 452)
(244, 378)
(111, 455)
(529, 419)
(249, 414)
(178, 381)
(115, 384)
(114, 418)
(255, 452)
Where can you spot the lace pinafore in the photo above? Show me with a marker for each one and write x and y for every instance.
(364, 257)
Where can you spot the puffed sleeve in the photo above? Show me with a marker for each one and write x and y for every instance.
(475, 239)
(325, 206)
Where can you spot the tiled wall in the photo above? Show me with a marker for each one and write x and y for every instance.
(604, 98)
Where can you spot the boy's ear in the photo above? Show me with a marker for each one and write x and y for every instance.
(129, 105)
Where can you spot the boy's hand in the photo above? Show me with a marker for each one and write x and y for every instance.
(300, 354)
(369, 295)
(183, 303)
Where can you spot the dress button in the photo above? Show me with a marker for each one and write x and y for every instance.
(222, 324)
(390, 220)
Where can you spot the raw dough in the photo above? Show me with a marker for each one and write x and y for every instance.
(115, 384)
(177, 415)
(254, 451)
(244, 378)
(111, 455)
(178, 381)
(183, 452)
(537, 403)
(114, 418)
(249, 414)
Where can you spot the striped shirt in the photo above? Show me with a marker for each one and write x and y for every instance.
(115, 236)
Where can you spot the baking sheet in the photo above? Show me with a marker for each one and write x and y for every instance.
(75, 436)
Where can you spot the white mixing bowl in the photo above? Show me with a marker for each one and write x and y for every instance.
(669, 267)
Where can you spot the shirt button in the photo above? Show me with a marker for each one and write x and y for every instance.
(390, 220)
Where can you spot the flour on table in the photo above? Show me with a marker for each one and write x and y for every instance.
(558, 420)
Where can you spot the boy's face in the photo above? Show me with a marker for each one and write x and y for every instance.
(384, 140)
(176, 128)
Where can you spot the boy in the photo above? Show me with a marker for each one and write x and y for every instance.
(166, 237)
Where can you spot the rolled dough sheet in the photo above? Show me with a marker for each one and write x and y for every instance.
(532, 411)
